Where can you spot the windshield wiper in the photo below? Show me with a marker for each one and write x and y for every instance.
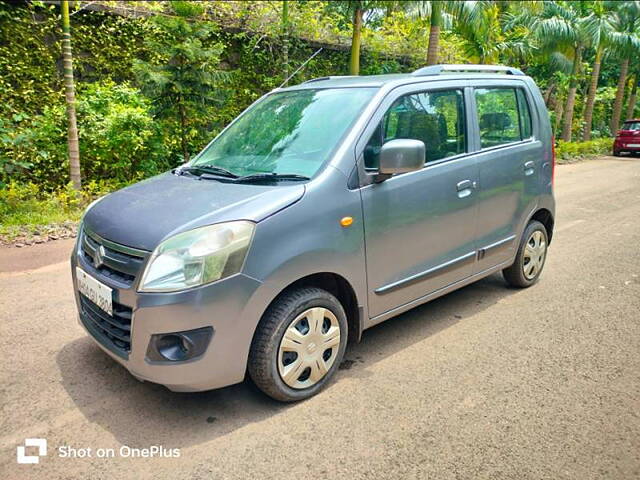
(258, 177)
(218, 171)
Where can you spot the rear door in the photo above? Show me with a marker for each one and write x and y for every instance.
(510, 157)
(419, 226)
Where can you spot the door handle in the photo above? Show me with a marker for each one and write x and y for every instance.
(464, 185)
(529, 167)
(464, 188)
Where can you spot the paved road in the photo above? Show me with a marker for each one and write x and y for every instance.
(486, 382)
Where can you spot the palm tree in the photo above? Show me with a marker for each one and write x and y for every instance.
(561, 28)
(357, 10)
(483, 38)
(70, 96)
(626, 42)
(356, 38)
(434, 33)
(598, 26)
(442, 14)
(632, 98)
(285, 39)
(490, 35)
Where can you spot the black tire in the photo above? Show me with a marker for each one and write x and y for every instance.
(515, 274)
(263, 356)
(616, 153)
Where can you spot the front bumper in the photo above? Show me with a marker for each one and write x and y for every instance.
(228, 306)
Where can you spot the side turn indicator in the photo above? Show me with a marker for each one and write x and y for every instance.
(346, 221)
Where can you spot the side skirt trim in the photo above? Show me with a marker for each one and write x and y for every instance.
(438, 293)
(492, 248)
(438, 270)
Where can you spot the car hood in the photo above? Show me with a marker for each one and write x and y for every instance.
(144, 214)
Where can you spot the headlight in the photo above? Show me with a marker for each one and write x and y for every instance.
(196, 257)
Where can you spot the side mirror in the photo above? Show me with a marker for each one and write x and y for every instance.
(400, 156)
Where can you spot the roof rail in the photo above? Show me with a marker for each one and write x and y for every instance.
(318, 79)
(438, 69)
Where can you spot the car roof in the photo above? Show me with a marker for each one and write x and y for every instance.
(632, 120)
(431, 73)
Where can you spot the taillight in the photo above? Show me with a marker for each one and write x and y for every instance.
(553, 160)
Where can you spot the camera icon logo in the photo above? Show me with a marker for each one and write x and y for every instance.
(41, 443)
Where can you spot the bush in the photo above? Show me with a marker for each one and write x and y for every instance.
(15, 154)
(119, 140)
(27, 204)
(576, 150)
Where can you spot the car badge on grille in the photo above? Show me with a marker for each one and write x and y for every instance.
(99, 256)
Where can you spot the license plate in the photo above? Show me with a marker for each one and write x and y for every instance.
(95, 291)
(633, 145)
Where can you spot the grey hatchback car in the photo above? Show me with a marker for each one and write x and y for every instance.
(322, 210)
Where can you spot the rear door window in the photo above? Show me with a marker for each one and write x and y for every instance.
(436, 118)
(503, 116)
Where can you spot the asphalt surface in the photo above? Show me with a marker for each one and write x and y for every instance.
(487, 382)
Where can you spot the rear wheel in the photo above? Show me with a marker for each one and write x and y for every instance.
(299, 344)
(530, 258)
(616, 153)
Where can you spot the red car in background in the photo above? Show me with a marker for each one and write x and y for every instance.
(627, 138)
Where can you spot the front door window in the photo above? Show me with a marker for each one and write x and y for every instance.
(436, 118)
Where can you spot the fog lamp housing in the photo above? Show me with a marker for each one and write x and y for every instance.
(179, 346)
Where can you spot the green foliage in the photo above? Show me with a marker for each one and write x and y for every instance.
(405, 34)
(183, 81)
(187, 9)
(117, 133)
(27, 204)
(567, 151)
(104, 48)
(29, 79)
(15, 158)
(126, 134)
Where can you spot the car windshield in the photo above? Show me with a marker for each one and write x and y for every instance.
(290, 132)
(631, 126)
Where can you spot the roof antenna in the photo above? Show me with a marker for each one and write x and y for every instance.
(301, 67)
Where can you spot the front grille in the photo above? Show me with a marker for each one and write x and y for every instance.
(118, 263)
(114, 332)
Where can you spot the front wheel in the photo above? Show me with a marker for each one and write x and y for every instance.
(530, 258)
(299, 344)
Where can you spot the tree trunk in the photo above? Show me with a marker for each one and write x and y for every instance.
(591, 96)
(567, 120)
(632, 98)
(354, 65)
(617, 105)
(434, 33)
(183, 132)
(285, 39)
(558, 111)
(70, 96)
(548, 93)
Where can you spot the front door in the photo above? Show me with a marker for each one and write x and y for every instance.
(420, 226)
